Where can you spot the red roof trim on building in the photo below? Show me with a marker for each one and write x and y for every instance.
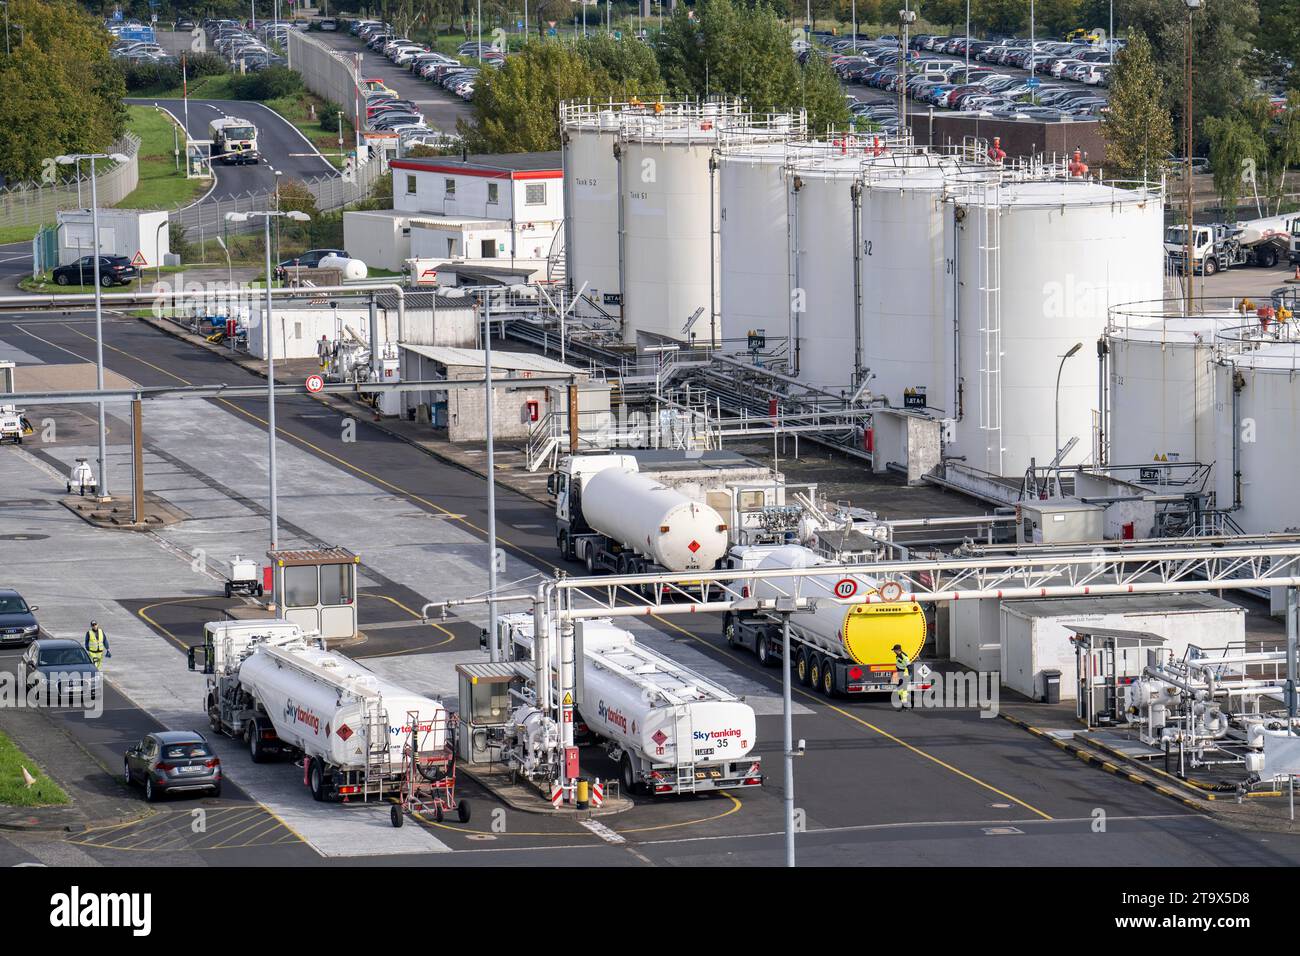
(483, 172)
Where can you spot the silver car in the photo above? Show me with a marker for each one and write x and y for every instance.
(60, 670)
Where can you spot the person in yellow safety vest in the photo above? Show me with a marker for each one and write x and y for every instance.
(97, 645)
(904, 673)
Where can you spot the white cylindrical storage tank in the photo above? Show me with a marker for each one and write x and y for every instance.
(655, 521)
(822, 301)
(908, 285)
(665, 184)
(1039, 264)
(590, 133)
(350, 269)
(753, 243)
(1161, 384)
(1260, 434)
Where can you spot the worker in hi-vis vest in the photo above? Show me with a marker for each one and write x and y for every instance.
(97, 645)
(904, 673)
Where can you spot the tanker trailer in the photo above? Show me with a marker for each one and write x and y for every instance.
(281, 692)
(669, 729)
(836, 647)
(625, 522)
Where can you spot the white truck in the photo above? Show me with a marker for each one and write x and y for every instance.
(654, 511)
(234, 140)
(836, 648)
(669, 729)
(284, 693)
(1217, 246)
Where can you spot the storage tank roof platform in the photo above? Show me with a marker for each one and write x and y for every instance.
(1281, 357)
(1070, 192)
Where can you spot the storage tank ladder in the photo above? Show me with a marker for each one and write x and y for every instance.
(684, 731)
(379, 761)
(989, 269)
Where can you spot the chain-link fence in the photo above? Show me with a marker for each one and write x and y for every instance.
(331, 74)
(37, 203)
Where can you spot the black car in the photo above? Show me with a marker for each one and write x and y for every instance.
(184, 25)
(308, 260)
(113, 270)
(172, 761)
(17, 619)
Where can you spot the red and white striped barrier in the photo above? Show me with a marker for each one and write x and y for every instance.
(557, 795)
(597, 793)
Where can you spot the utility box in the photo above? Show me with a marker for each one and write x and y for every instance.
(138, 234)
(1059, 521)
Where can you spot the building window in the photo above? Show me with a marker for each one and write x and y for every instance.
(336, 584)
(488, 248)
(492, 192)
(535, 194)
(449, 188)
(410, 185)
(300, 586)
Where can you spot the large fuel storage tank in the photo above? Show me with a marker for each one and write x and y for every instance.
(1258, 384)
(827, 340)
(909, 284)
(589, 132)
(1039, 263)
(1161, 383)
(753, 243)
(669, 210)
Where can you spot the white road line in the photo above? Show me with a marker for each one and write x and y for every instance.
(602, 831)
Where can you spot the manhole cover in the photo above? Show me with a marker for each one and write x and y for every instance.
(480, 836)
(1001, 831)
(23, 537)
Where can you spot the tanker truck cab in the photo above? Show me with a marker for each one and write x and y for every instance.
(837, 647)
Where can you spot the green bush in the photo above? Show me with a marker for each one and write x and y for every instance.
(269, 84)
(330, 117)
(147, 77)
(206, 64)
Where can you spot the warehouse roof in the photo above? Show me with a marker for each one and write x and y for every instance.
(1121, 604)
(507, 361)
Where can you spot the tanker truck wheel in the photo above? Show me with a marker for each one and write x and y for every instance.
(628, 776)
(589, 561)
(395, 815)
(828, 679)
(316, 779)
(763, 650)
(462, 811)
(815, 672)
(254, 743)
(729, 629)
(801, 666)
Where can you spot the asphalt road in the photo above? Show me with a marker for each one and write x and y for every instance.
(877, 785)
(283, 148)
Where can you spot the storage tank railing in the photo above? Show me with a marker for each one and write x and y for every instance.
(599, 114)
(1170, 317)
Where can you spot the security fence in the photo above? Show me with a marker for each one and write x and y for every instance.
(37, 203)
(331, 74)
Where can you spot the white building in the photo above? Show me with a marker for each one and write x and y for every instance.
(140, 235)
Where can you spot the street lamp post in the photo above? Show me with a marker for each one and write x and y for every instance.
(74, 160)
(1189, 268)
(1056, 451)
(267, 216)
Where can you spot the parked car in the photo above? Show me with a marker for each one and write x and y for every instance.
(17, 619)
(172, 761)
(60, 669)
(308, 260)
(113, 270)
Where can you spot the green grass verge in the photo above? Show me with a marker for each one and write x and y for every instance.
(298, 110)
(17, 233)
(13, 792)
(161, 185)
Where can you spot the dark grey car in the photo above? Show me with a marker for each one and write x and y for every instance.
(59, 669)
(17, 620)
(172, 761)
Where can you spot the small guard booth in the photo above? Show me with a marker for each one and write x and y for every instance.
(317, 590)
(487, 692)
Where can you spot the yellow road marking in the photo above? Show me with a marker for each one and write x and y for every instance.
(884, 733)
(415, 614)
(736, 805)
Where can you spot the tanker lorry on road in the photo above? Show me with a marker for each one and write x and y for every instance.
(283, 693)
(669, 729)
(837, 647)
(655, 511)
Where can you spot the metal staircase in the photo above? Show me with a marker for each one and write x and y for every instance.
(556, 259)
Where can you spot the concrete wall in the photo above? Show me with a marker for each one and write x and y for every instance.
(327, 73)
(429, 241)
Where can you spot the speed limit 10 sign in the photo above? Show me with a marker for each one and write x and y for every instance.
(846, 588)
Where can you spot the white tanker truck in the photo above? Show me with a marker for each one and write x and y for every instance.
(837, 648)
(282, 693)
(669, 729)
(650, 512)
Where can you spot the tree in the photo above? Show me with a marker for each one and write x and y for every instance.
(62, 93)
(1137, 128)
(1251, 150)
